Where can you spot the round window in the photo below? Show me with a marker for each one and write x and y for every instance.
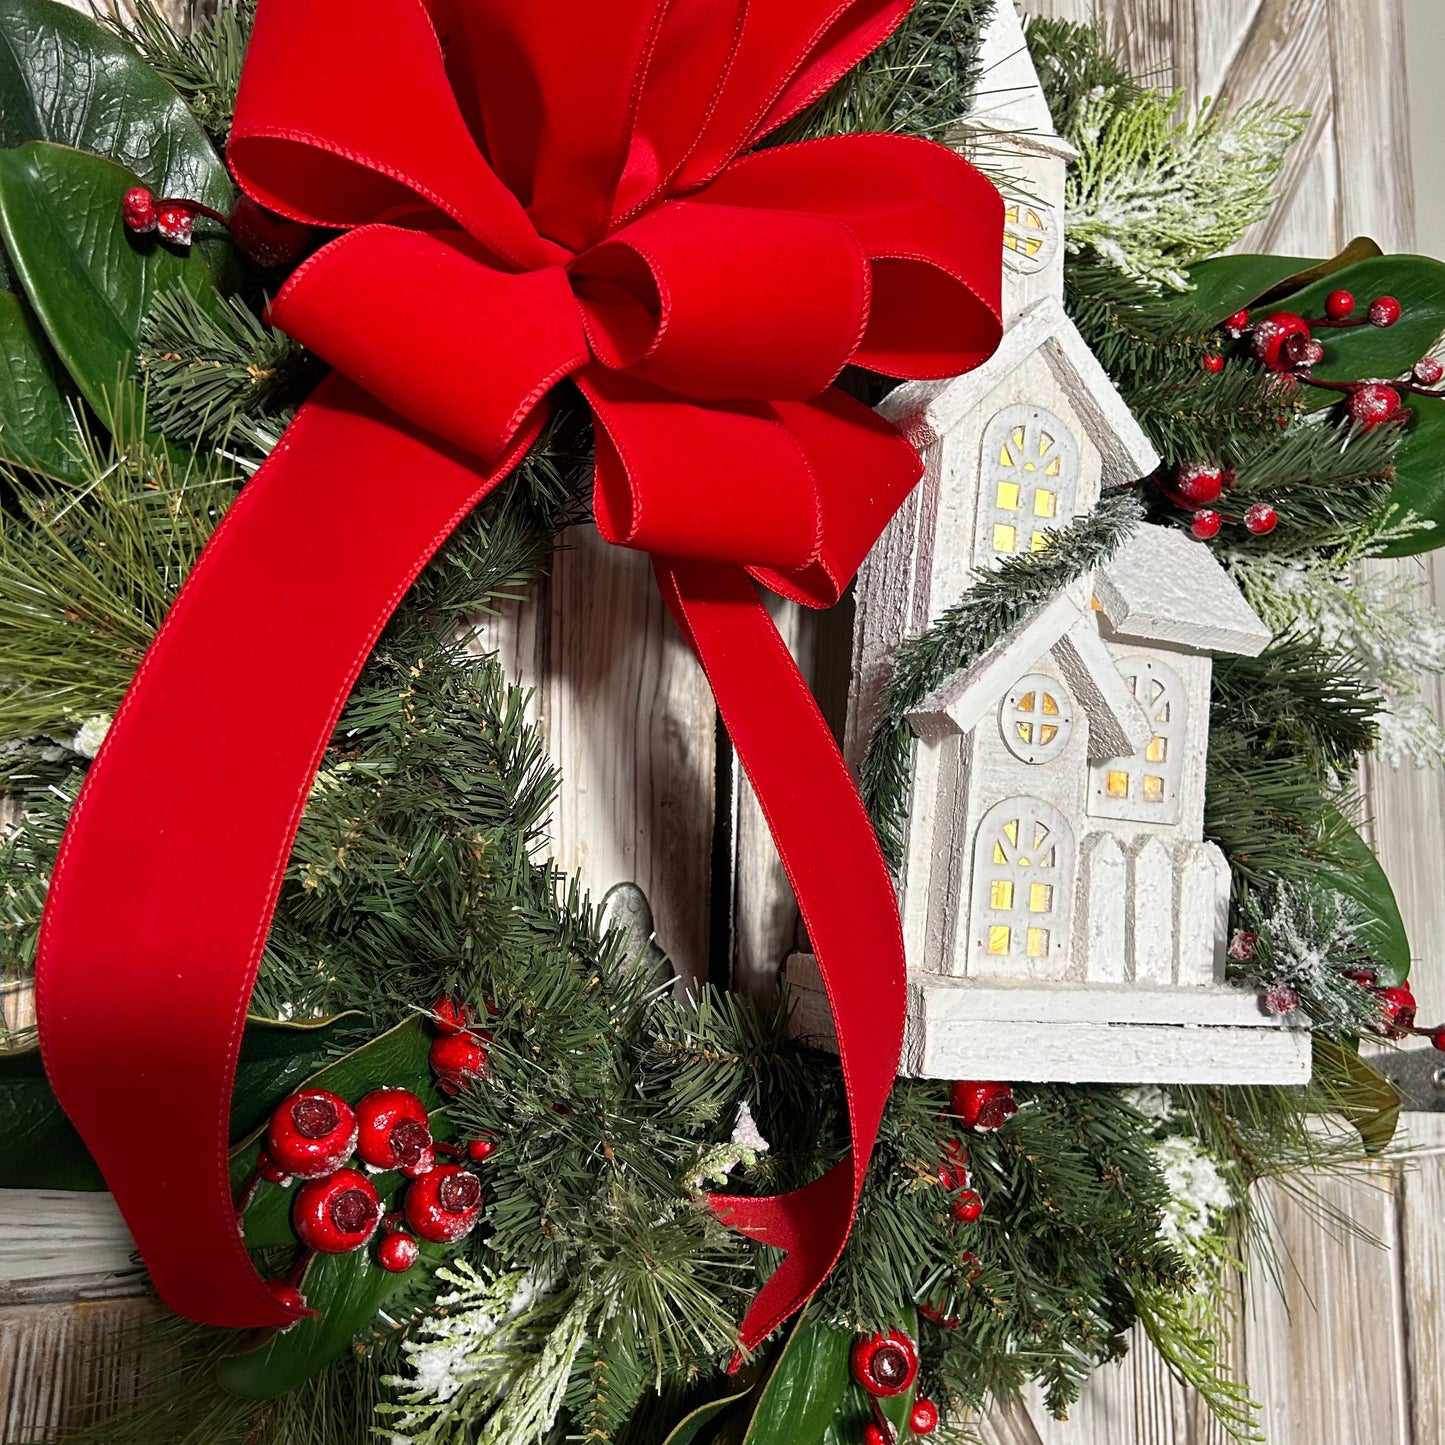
(1036, 719)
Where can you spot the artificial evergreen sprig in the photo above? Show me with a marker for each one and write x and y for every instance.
(997, 602)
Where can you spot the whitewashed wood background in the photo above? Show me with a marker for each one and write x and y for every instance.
(1352, 1350)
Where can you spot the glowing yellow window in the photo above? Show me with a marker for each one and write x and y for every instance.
(1008, 496)
(1046, 503)
(1001, 894)
(1000, 941)
(1118, 785)
(1158, 750)
(1005, 539)
(1041, 897)
(1153, 789)
(1038, 942)
(1039, 542)
(1011, 831)
(999, 856)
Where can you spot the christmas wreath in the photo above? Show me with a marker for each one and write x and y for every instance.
(485, 1174)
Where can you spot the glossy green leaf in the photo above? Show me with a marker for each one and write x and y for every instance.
(693, 1428)
(1420, 476)
(1363, 879)
(1362, 1093)
(36, 397)
(1358, 352)
(399, 1059)
(39, 1148)
(346, 1290)
(805, 1389)
(1226, 284)
(88, 279)
(65, 78)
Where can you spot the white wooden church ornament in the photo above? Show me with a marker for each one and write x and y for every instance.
(1064, 918)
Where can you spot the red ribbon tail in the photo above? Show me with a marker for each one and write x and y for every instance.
(844, 893)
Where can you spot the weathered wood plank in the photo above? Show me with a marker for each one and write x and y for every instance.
(1422, 1268)
(57, 1245)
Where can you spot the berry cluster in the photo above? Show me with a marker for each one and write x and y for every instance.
(1198, 486)
(269, 240)
(1285, 343)
(314, 1134)
(886, 1365)
(953, 1175)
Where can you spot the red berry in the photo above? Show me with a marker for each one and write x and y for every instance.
(1365, 977)
(138, 210)
(968, 1206)
(1205, 524)
(1338, 305)
(1261, 519)
(311, 1133)
(480, 1150)
(445, 1205)
(336, 1214)
(885, 1364)
(290, 1298)
(1280, 340)
(1427, 371)
(176, 223)
(458, 1058)
(1281, 999)
(451, 1017)
(872, 1435)
(952, 1176)
(1384, 311)
(1312, 353)
(271, 1171)
(1244, 946)
(1237, 324)
(268, 239)
(1397, 1006)
(924, 1419)
(983, 1105)
(1373, 404)
(1212, 361)
(932, 1312)
(1437, 1038)
(1199, 483)
(392, 1130)
(397, 1252)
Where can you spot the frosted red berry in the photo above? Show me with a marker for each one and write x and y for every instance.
(450, 1017)
(1280, 340)
(1244, 946)
(1205, 524)
(311, 1133)
(1281, 999)
(1212, 361)
(176, 223)
(1261, 519)
(445, 1205)
(1427, 371)
(138, 210)
(268, 239)
(1312, 353)
(480, 1150)
(1437, 1038)
(289, 1298)
(1397, 1005)
(968, 1207)
(1384, 311)
(1373, 404)
(885, 1364)
(1199, 483)
(392, 1131)
(923, 1420)
(983, 1105)
(1365, 977)
(873, 1435)
(456, 1059)
(338, 1213)
(270, 1170)
(397, 1252)
(1237, 324)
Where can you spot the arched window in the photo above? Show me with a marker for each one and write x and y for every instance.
(1030, 235)
(1023, 887)
(1030, 473)
(1037, 718)
(1144, 788)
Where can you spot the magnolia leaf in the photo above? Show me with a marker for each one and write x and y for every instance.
(1420, 477)
(805, 1389)
(1358, 875)
(66, 78)
(40, 1149)
(346, 1291)
(36, 397)
(1226, 284)
(89, 280)
(1360, 1091)
(1356, 353)
(693, 1427)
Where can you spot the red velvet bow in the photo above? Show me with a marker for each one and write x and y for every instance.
(529, 193)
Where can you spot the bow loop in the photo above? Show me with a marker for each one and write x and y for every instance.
(720, 302)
